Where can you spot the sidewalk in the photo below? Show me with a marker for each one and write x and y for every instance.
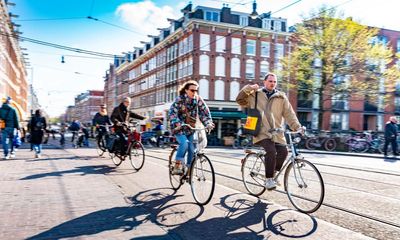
(63, 196)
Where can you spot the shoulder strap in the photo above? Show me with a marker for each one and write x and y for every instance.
(255, 103)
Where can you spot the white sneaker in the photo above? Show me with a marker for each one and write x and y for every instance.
(38, 155)
(178, 170)
(6, 157)
(270, 184)
(12, 155)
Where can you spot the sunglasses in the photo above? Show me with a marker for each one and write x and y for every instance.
(193, 90)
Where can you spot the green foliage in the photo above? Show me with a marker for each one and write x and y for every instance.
(350, 63)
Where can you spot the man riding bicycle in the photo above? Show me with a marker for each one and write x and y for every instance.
(120, 118)
(275, 108)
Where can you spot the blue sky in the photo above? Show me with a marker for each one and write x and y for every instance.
(57, 83)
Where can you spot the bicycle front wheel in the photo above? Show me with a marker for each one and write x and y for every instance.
(304, 186)
(101, 148)
(253, 174)
(174, 179)
(202, 179)
(136, 155)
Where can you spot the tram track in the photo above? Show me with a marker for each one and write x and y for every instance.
(328, 205)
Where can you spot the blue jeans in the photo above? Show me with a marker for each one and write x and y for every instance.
(7, 139)
(37, 147)
(185, 145)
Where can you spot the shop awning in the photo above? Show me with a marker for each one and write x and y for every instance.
(228, 115)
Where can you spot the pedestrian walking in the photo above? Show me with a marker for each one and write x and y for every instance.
(37, 127)
(9, 125)
(391, 130)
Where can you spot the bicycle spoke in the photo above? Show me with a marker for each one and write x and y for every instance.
(202, 179)
(253, 174)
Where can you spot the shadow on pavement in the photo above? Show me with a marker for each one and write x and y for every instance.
(85, 170)
(124, 218)
(240, 219)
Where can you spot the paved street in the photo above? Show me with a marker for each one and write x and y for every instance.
(72, 193)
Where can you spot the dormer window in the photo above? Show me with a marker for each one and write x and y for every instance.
(212, 16)
(244, 21)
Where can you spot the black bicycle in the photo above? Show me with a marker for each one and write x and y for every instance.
(200, 174)
(103, 132)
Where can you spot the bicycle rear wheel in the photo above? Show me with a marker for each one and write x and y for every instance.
(253, 174)
(174, 179)
(136, 155)
(116, 160)
(202, 179)
(304, 186)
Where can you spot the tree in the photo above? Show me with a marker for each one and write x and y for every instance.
(338, 59)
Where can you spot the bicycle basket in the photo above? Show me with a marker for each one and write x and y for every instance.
(201, 140)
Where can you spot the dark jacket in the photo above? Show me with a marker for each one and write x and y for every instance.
(391, 130)
(37, 126)
(121, 114)
(101, 120)
(9, 115)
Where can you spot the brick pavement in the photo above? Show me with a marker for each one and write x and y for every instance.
(62, 196)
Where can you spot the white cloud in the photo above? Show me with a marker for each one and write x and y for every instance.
(145, 16)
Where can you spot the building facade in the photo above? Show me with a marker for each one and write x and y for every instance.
(222, 50)
(13, 75)
(87, 105)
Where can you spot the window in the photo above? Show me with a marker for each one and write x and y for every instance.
(266, 23)
(265, 48)
(219, 90)
(383, 39)
(203, 88)
(279, 51)
(339, 121)
(190, 66)
(250, 68)
(220, 66)
(234, 90)
(212, 16)
(283, 26)
(398, 45)
(204, 65)
(235, 67)
(244, 20)
(251, 47)
(220, 43)
(264, 69)
(236, 46)
(204, 42)
(190, 43)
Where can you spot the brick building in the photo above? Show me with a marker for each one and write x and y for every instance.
(87, 105)
(221, 49)
(13, 76)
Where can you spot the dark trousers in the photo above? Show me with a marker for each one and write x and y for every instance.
(275, 156)
(389, 140)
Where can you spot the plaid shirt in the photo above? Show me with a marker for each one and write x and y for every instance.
(178, 113)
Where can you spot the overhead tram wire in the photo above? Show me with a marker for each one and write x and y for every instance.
(114, 25)
(48, 19)
(48, 44)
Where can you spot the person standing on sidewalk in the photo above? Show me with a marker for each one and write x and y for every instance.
(275, 109)
(10, 124)
(37, 127)
(391, 131)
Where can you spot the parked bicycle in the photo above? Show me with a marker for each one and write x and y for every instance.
(326, 142)
(133, 149)
(199, 174)
(303, 182)
(242, 142)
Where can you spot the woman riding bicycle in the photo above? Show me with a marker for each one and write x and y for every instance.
(186, 108)
(100, 120)
(275, 108)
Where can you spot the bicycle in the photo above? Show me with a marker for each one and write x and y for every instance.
(322, 141)
(134, 149)
(200, 174)
(242, 142)
(300, 177)
(101, 138)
